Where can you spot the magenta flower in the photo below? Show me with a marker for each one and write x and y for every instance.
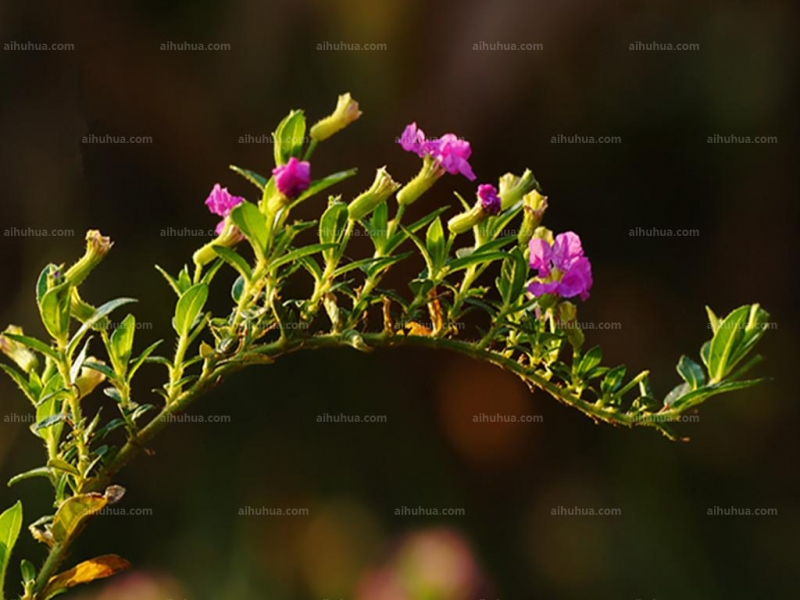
(293, 178)
(490, 201)
(413, 140)
(221, 202)
(449, 151)
(562, 268)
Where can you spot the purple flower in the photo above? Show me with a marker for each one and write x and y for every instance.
(413, 140)
(451, 152)
(490, 201)
(293, 178)
(220, 202)
(562, 268)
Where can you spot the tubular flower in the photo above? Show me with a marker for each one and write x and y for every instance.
(449, 151)
(293, 178)
(562, 268)
(221, 202)
(488, 205)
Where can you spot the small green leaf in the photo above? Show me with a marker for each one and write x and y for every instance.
(37, 472)
(300, 253)
(34, 344)
(141, 358)
(691, 372)
(10, 526)
(252, 223)
(62, 465)
(121, 344)
(289, 137)
(729, 334)
(613, 380)
(590, 360)
(257, 180)
(54, 310)
(235, 260)
(332, 226)
(677, 392)
(474, 259)
(28, 571)
(189, 306)
(237, 289)
(435, 243)
(41, 283)
(173, 283)
(323, 184)
(101, 312)
(713, 320)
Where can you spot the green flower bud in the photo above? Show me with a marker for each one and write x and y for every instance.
(430, 172)
(383, 187)
(346, 112)
(97, 246)
(533, 206)
(512, 187)
(229, 237)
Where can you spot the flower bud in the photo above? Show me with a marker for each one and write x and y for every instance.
(533, 206)
(512, 187)
(229, 237)
(430, 172)
(488, 204)
(21, 355)
(346, 112)
(383, 187)
(566, 320)
(97, 246)
(291, 180)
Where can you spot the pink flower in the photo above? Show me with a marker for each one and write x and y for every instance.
(221, 202)
(490, 201)
(562, 268)
(293, 178)
(449, 151)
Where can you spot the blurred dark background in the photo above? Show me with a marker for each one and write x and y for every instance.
(199, 106)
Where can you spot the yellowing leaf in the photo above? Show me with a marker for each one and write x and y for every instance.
(86, 572)
(73, 512)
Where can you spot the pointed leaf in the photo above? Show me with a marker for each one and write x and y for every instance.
(189, 306)
(10, 525)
